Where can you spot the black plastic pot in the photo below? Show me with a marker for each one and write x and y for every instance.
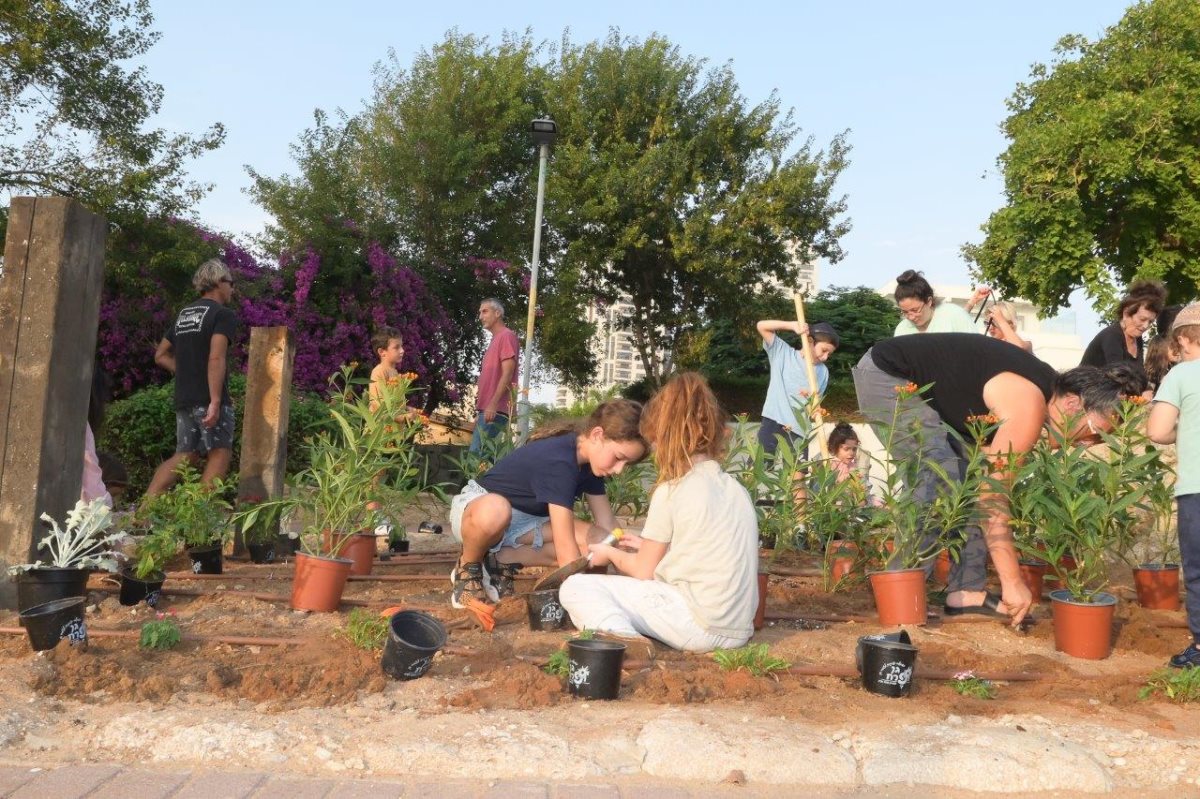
(594, 668)
(134, 590)
(399, 547)
(901, 637)
(887, 667)
(206, 560)
(39, 586)
(51, 622)
(413, 639)
(545, 611)
(261, 553)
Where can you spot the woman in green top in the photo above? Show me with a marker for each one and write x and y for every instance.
(921, 312)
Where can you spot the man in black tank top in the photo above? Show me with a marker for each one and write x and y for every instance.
(968, 375)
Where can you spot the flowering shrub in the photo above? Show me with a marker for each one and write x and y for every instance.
(148, 278)
(965, 683)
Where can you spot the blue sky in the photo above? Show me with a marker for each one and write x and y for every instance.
(920, 86)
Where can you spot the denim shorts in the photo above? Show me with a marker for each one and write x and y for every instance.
(192, 436)
(520, 524)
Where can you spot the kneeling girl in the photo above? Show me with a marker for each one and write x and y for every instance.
(691, 581)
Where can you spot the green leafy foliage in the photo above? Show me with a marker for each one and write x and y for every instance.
(161, 633)
(754, 658)
(1070, 501)
(559, 664)
(192, 513)
(1176, 685)
(1099, 174)
(75, 109)
(967, 684)
(366, 630)
(153, 551)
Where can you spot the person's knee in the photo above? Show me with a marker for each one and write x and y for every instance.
(486, 517)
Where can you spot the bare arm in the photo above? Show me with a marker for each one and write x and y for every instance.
(768, 327)
(602, 512)
(639, 564)
(1160, 427)
(1021, 407)
(1009, 333)
(217, 350)
(164, 356)
(976, 298)
(562, 528)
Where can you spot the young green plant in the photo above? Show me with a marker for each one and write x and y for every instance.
(754, 658)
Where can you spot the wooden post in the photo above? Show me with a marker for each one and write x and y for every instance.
(814, 402)
(49, 311)
(265, 420)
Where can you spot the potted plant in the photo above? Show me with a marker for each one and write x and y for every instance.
(195, 515)
(836, 515)
(1152, 551)
(1071, 502)
(771, 481)
(70, 553)
(143, 580)
(261, 529)
(367, 454)
(911, 531)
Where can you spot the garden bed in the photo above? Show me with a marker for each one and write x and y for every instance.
(500, 671)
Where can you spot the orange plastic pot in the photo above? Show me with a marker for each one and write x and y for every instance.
(899, 596)
(359, 548)
(1033, 572)
(1157, 586)
(1083, 629)
(941, 567)
(318, 582)
(841, 558)
(760, 615)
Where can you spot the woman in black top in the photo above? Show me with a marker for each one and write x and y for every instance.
(1121, 342)
(974, 375)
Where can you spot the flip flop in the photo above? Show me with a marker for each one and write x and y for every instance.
(990, 607)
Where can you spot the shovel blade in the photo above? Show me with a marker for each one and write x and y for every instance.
(555, 579)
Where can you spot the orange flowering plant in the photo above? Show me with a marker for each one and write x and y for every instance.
(365, 455)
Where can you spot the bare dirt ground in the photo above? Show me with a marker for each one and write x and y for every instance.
(77, 692)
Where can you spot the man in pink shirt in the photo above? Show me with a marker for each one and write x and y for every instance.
(497, 375)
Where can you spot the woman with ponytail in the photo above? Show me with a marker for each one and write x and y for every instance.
(690, 579)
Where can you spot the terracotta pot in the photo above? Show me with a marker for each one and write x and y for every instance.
(1157, 586)
(840, 557)
(899, 596)
(760, 615)
(318, 582)
(1083, 629)
(1033, 572)
(941, 567)
(359, 548)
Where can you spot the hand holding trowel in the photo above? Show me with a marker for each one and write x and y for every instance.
(554, 579)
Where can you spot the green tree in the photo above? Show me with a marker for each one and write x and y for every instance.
(670, 188)
(1101, 169)
(439, 167)
(73, 114)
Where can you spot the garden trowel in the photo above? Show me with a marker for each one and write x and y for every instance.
(556, 578)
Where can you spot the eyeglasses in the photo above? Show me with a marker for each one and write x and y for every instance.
(912, 312)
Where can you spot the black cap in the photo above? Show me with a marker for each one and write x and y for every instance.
(825, 331)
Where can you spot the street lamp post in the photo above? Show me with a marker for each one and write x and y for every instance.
(544, 133)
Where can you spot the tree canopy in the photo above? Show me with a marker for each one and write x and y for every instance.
(666, 186)
(1102, 171)
(73, 114)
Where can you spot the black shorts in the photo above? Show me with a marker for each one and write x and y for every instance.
(192, 436)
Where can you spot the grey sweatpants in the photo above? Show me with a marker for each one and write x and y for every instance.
(923, 432)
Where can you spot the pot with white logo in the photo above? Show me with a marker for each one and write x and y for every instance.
(887, 666)
(51, 622)
(594, 668)
(413, 639)
(545, 611)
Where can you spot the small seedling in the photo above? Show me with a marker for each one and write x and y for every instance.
(754, 658)
(160, 634)
(965, 683)
(559, 663)
(1177, 685)
(365, 629)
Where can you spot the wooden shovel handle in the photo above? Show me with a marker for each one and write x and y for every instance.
(814, 397)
